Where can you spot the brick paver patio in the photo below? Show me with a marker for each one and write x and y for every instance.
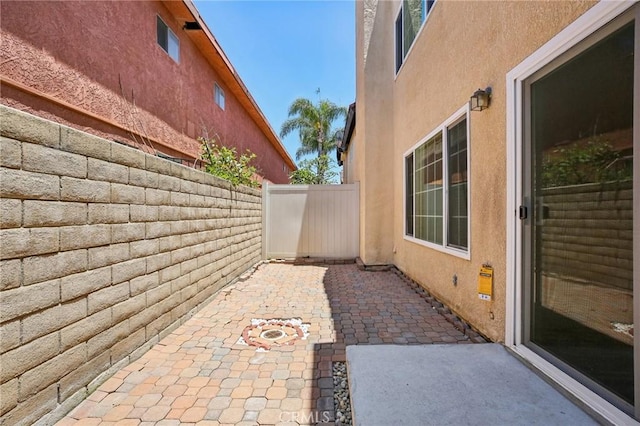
(201, 374)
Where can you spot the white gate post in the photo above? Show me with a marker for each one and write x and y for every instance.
(265, 212)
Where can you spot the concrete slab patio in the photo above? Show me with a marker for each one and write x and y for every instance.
(452, 385)
(200, 373)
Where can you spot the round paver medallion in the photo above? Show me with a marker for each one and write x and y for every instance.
(265, 334)
(272, 334)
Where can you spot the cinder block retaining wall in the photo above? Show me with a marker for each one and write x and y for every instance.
(588, 233)
(103, 249)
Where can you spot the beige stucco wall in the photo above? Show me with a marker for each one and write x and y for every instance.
(463, 46)
(374, 153)
(355, 156)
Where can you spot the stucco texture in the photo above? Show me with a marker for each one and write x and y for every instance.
(462, 46)
(374, 134)
(103, 57)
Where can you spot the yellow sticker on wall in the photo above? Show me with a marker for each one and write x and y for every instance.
(485, 282)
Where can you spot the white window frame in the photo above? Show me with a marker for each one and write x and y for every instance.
(171, 36)
(425, 17)
(219, 96)
(397, 67)
(462, 113)
(590, 22)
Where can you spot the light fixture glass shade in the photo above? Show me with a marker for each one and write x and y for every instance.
(480, 99)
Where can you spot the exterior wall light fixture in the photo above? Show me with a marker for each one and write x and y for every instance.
(480, 99)
(191, 25)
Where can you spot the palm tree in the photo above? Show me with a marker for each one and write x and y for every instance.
(313, 123)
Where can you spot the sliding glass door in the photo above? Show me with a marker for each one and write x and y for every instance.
(578, 211)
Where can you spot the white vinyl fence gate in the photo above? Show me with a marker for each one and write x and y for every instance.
(310, 221)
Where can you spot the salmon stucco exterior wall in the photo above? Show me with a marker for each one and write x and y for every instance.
(461, 47)
(103, 58)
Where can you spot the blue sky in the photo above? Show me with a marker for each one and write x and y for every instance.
(284, 50)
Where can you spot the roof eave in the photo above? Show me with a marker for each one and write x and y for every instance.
(349, 126)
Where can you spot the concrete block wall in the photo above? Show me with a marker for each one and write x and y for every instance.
(103, 249)
(588, 233)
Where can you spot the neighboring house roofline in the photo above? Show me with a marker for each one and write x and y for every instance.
(212, 51)
(349, 126)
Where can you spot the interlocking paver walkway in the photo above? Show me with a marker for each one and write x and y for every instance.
(201, 374)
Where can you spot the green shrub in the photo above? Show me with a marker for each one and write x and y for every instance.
(314, 171)
(225, 163)
(576, 164)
